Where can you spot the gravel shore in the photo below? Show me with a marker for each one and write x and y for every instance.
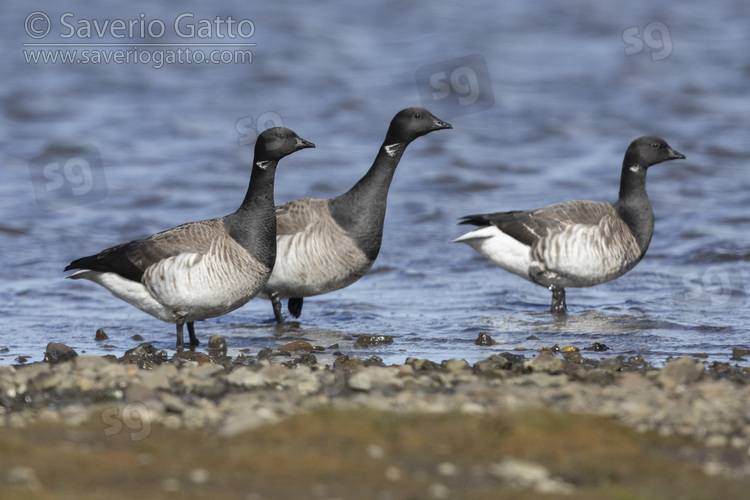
(546, 422)
(227, 396)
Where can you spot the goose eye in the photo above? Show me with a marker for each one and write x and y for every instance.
(417, 115)
(656, 145)
(282, 136)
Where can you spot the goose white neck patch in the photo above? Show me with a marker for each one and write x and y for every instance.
(392, 149)
(636, 168)
(263, 164)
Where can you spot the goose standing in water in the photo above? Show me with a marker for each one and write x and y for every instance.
(328, 244)
(201, 269)
(576, 243)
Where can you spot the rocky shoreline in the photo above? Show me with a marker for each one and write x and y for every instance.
(227, 396)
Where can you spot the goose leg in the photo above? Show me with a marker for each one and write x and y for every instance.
(558, 301)
(295, 306)
(191, 331)
(180, 339)
(276, 302)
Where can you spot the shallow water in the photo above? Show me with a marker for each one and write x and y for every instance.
(549, 122)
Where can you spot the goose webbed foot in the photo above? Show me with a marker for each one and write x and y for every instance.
(276, 303)
(558, 301)
(295, 306)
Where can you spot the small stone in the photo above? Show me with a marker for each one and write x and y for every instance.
(101, 335)
(199, 476)
(23, 476)
(171, 485)
(570, 348)
(144, 353)
(716, 441)
(392, 473)
(218, 344)
(484, 339)
(154, 379)
(375, 451)
(454, 365)
(439, 491)
(137, 338)
(447, 469)
(360, 381)
(597, 347)
(199, 357)
(57, 353)
(680, 371)
(371, 340)
(206, 371)
(296, 346)
(92, 363)
(545, 362)
(346, 364)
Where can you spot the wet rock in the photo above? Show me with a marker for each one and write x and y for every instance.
(296, 346)
(371, 340)
(680, 371)
(266, 352)
(101, 335)
(307, 359)
(374, 361)
(217, 346)
(58, 353)
(137, 338)
(484, 339)
(144, 355)
(597, 347)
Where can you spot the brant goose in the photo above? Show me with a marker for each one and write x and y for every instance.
(201, 269)
(576, 243)
(328, 244)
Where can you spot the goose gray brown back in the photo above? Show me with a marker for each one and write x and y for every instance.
(576, 243)
(201, 269)
(328, 244)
